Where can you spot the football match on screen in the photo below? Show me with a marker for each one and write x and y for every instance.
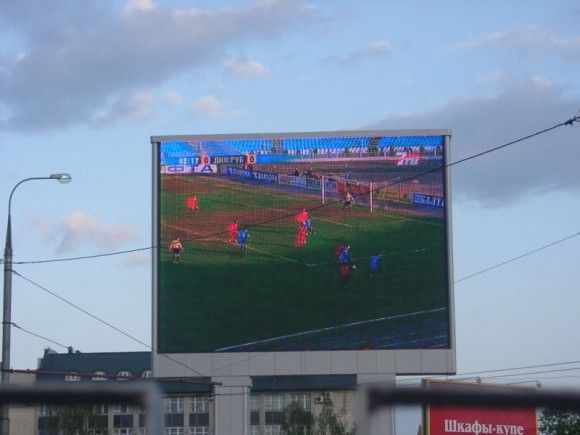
(302, 242)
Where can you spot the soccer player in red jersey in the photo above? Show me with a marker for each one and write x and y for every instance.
(301, 229)
(300, 239)
(191, 203)
(232, 229)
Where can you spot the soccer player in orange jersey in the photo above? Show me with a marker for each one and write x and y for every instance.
(175, 248)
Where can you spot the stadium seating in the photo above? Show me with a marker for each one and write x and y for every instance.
(303, 146)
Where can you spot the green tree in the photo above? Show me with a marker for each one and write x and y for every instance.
(328, 423)
(559, 422)
(297, 421)
(77, 419)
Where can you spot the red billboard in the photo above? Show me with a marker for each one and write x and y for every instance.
(445, 420)
(449, 420)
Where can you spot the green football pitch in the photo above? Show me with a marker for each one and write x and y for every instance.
(216, 298)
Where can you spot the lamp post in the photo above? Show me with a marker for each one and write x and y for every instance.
(7, 307)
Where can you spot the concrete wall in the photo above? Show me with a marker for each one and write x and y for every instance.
(22, 418)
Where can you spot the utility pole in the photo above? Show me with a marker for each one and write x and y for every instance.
(7, 307)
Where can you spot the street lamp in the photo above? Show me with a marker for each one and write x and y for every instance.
(7, 319)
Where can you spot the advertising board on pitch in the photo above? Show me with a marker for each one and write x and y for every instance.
(274, 260)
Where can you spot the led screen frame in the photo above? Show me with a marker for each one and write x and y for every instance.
(296, 360)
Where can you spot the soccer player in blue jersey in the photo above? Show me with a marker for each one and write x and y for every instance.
(243, 240)
(374, 264)
(307, 224)
(343, 255)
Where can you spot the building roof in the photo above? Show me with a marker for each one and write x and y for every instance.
(111, 363)
(87, 363)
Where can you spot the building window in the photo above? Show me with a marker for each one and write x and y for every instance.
(72, 377)
(254, 413)
(274, 402)
(173, 431)
(124, 375)
(173, 405)
(174, 420)
(302, 400)
(201, 430)
(47, 425)
(123, 431)
(123, 421)
(47, 410)
(254, 402)
(274, 413)
(199, 417)
(122, 409)
(99, 376)
(147, 374)
(100, 409)
(199, 404)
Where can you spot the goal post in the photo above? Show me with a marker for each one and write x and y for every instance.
(335, 189)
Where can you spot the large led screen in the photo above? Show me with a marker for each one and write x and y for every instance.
(302, 242)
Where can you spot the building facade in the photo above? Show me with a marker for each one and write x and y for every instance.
(190, 407)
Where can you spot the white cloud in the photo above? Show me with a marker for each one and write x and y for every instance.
(528, 40)
(43, 226)
(497, 76)
(207, 106)
(21, 57)
(81, 229)
(83, 55)
(245, 67)
(480, 122)
(139, 105)
(172, 97)
(139, 6)
(136, 106)
(372, 49)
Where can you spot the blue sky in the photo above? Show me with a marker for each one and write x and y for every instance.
(84, 85)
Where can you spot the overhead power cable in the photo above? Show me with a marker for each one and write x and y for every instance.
(518, 257)
(475, 373)
(568, 122)
(104, 322)
(503, 263)
(519, 371)
(450, 379)
(102, 376)
(511, 375)
(38, 335)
